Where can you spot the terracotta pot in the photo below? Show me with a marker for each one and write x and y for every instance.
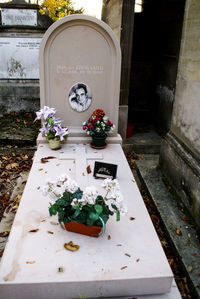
(54, 144)
(98, 142)
(92, 231)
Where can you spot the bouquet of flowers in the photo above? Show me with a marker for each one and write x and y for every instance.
(98, 124)
(87, 207)
(51, 126)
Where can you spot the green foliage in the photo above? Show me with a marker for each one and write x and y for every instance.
(88, 214)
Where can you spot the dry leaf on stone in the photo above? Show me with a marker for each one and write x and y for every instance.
(119, 245)
(71, 247)
(58, 164)
(83, 174)
(88, 169)
(133, 181)
(137, 260)
(124, 267)
(40, 169)
(50, 232)
(132, 218)
(34, 230)
(53, 223)
(46, 159)
(127, 254)
(30, 262)
(60, 269)
(109, 237)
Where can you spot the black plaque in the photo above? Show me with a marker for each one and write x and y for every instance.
(104, 170)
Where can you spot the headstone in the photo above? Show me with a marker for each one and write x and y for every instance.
(128, 259)
(80, 50)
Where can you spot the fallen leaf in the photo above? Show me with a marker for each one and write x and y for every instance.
(189, 268)
(30, 262)
(132, 218)
(60, 269)
(12, 165)
(127, 254)
(38, 188)
(119, 245)
(83, 174)
(34, 230)
(109, 237)
(71, 247)
(137, 260)
(178, 232)
(164, 244)
(88, 169)
(5, 233)
(54, 223)
(50, 232)
(124, 267)
(133, 181)
(58, 164)
(46, 159)
(40, 169)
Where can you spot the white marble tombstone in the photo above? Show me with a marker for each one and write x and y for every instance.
(81, 49)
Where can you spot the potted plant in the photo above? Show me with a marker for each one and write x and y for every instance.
(97, 126)
(51, 127)
(86, 211)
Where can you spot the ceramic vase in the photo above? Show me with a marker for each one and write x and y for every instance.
(54, 144)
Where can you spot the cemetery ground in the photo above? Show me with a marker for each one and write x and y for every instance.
(17, 145)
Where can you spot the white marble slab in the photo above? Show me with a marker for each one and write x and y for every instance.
(21, 17)
(95, 270)
(19, 57)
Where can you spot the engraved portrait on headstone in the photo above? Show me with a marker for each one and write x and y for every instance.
(80, 97)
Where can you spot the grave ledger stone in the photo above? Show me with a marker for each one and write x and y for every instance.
(128, 259)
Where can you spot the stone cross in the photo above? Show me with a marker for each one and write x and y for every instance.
(80, 156)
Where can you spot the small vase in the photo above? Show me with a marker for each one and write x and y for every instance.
(92, 231)
(98, 142)
(54, 144)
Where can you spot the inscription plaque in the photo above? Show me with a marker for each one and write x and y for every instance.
(27, 17)
(19, 58)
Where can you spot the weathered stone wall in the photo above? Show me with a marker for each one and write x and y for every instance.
(180, 150)
(112, 15)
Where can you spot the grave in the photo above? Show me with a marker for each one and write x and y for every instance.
(22, 28)
(128, 259)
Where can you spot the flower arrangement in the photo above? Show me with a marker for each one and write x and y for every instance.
(51, 126)
(98, 124)
(87, 207)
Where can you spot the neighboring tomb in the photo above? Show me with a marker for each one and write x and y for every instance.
(128, 259)
(22, 28)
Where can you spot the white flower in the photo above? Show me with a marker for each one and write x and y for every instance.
(74, 202)
(105, 118)
(98, 129)
(70, 186)
(109, 184)
(84, 123)
(88, 132)
(90, 194)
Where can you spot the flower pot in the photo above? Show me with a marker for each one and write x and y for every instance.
(92, 231)
(54, 144)
(98, 142)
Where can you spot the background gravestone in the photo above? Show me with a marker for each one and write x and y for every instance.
(80, 49)
(21, 30)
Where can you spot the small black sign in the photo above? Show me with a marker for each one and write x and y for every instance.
(105, 170)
